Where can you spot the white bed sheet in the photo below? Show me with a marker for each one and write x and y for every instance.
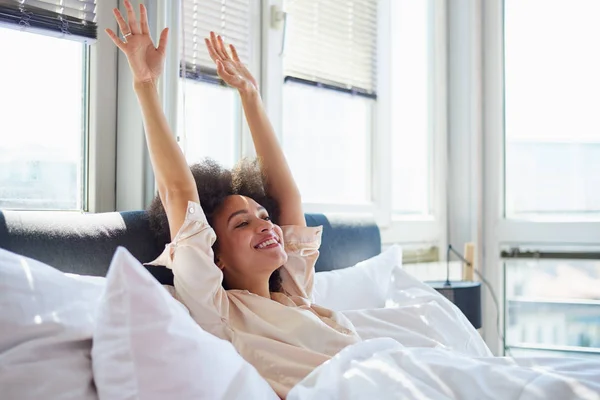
(422, 347)
(384, 369)
(416, 315)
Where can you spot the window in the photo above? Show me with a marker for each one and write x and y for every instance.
(411, 136)
(559, 300)
(552, 90)
(537, 353)
(209, 113)
(212, 122)
(44, 95)
(329, 152)
(541, 132)
(329, 97)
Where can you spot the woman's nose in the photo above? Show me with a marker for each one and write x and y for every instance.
(265, 225)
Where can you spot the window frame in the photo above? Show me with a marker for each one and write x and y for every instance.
(266, 62)
(99, 119)
(273, 49)
(430, 230)
(500, 232)
(168, 15)
(102, 115)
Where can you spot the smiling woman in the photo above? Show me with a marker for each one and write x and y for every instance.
(215, 184)
(221, 231)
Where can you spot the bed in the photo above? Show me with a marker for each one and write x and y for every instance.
(60, 334)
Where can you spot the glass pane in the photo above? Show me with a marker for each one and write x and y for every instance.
(552, 95)
(518, 352)
(411, 144)
(553, 303)
(326, 139)
(212, 122)
(42, 125)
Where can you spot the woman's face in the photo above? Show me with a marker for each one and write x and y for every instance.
(249, 243)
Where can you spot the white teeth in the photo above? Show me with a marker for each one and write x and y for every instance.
(266, 243)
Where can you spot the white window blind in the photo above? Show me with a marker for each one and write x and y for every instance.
(75, 18)
(228, 18)
(332, 43)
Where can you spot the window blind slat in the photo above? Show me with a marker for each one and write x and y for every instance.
(335, 37)
(333, 42)
(335, 9)
(202, 7)
(239, 7)
(199, 48)
(72, 18)
(232, 18)
(198, 25)
(83, 9)
(228, 18)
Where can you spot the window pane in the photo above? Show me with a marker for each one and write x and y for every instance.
(553, 303)
(411, 145)
(552, 95)
(326, 139)
(521, 352)
(212, 122)
(43, 122)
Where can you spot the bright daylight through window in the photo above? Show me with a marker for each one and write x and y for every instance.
(411, 104)
(552, 159)
(209, 114)
(42, 158)
(330, 68)
(552, 118)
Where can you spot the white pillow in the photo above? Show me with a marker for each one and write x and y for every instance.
(147, 347)
(46, 322)
(362, 286)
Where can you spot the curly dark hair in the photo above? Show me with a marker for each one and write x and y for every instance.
(214, 184)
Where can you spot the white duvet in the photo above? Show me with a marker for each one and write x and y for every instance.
(421, 347)
(384, 369)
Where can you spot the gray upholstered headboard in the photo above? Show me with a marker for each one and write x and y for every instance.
(85, 243)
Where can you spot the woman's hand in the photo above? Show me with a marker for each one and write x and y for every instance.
(145, 60)
(229, 67)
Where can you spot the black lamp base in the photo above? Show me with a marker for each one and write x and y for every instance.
(465, 295)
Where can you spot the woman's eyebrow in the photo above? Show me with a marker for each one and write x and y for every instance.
(237, 213)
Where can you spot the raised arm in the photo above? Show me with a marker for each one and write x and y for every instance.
(280, 182)
(176, 185)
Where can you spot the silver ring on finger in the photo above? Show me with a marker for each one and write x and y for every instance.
(125, 35)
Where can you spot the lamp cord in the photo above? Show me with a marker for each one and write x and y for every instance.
(486, 283)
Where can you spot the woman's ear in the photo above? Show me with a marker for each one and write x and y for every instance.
(219, 262)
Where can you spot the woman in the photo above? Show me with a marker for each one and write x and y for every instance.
(243, 278)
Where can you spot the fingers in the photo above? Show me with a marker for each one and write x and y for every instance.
(121, 22)
(162, 42)
(222, 49)
(144, 20)
(131, 18)
(217, 50)
(215, 43)
(241, 67)
(234, 53)
(211, 50)
(118, 42)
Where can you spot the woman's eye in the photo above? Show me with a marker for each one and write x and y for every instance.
(242, 224)
(267, 218)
